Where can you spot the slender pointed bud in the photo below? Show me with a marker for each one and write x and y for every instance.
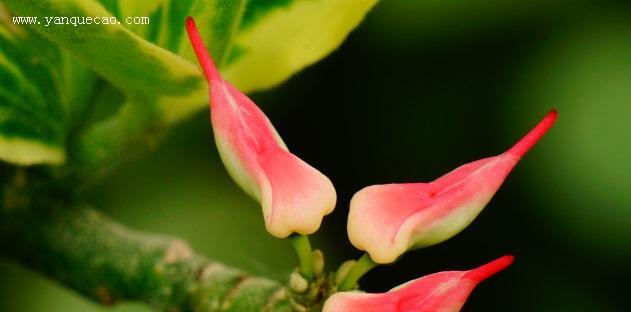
(294, 196)
(440, 292)
(343, 270)
(318, 262)
(387, 220)
(297, 283)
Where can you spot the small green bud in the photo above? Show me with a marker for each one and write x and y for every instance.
(297, 283)
(318, 262)
(343, 270)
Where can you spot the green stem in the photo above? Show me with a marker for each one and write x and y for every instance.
(305, 255)
(108, 144)
(361, 267)
(106, 262)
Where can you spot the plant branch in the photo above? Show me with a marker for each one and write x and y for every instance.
(107, 262)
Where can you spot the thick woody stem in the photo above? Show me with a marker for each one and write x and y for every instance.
(107, 262)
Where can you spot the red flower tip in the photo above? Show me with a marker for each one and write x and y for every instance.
(530, 139)
(293, 195)
(481, 273)
(444, 291)
(200, 50)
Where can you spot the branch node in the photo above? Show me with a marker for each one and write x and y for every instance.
(178, 250)
(104, 296)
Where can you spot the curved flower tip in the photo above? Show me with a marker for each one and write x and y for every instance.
(294, 196)
(440, 292)
(387, 220)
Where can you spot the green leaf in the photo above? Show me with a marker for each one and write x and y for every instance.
(260, 43)
(274, 40)
(280, 37)
(41, 89)
(150, 8)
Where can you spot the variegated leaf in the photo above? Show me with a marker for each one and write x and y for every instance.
(257, 43)
(277, 38)
(42, 91)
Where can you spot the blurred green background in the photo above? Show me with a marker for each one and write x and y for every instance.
(420, 88)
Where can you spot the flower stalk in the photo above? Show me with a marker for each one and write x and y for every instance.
(302, 246)
(359, 269)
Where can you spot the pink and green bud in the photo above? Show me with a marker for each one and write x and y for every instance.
(440, 292)
(294, 196)
(387, 220)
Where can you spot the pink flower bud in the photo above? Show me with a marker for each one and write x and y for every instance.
(387, 220)
(294, 196)
(439, 292)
